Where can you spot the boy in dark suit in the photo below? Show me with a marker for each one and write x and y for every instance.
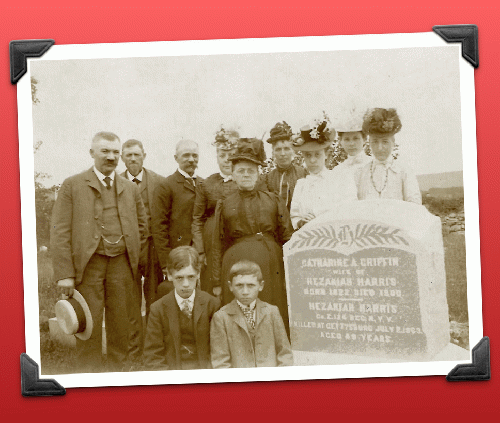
(248, 332)
(178, 329)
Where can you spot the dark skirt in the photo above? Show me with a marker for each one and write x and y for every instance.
(268, 254)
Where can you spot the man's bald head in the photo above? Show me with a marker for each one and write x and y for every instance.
(187, 155)
(185, 144)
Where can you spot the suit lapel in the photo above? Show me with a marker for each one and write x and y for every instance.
(198, 308)
(144, 182)
(173, 322)
(151, 186)
(181, 179)
(262, 310)
(119, 184)
(93, 180)
(233, 309)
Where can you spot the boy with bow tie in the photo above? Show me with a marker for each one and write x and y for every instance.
(248, 332)
(178, 329)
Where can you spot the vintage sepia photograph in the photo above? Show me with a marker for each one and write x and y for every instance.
(285, 209)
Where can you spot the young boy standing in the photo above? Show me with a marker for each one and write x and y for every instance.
(248, 332)
(177, 334)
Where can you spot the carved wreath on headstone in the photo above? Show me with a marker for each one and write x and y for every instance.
(363, 236)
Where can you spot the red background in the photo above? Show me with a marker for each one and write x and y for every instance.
(374, 399)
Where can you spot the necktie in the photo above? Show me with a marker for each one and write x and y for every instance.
(191, 181)
(248, 312)
(185, 308)
(137, 181)
(107, 181)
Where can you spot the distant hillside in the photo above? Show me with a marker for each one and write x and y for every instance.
(441, 180)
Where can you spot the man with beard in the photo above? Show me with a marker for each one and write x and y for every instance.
(98, 231)
(133, 156)
(283, 178)
(173, 203)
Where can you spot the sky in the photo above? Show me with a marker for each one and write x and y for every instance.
(161, 100)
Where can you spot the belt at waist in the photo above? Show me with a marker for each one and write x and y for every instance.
(256, 237)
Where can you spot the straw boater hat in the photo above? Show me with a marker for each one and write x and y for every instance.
(249, 149)
(73, 316)
(381, 121)
(313, 139)
(226, 139)
(280, 132)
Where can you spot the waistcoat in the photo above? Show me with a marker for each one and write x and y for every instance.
(111, 228)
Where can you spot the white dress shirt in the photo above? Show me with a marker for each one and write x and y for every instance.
(180, 300)
(226, 178)
(319, 193)
(187, 176)
(388, 179)
(101, 177)
(132, 177)
(353, 163)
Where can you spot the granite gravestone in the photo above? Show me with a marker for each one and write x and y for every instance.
(367, 280)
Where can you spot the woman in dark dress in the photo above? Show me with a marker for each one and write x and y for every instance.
(216, 187)
(252, 224)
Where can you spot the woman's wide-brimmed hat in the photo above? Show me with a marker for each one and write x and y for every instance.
(351, 122)
(226, 139)
(313, 139)
(280, 132)
(249, 149)
(74, 317)
(381, 121)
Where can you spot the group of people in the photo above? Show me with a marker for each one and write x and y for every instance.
(189, 245)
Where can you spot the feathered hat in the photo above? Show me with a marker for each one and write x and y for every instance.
(352, 121)
(250, 149)
(319, 137)
(226, 139)
(381, 121)
(280, 132)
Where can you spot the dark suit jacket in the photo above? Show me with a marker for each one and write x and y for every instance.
(152, 181)
(77, 219)
(172, 214)
(163, 338)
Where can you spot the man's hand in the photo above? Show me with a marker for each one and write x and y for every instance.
(217, 290)
(68, 287)
(203, 258)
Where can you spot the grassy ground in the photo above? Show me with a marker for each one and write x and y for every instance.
(57, 359)
(456, 288)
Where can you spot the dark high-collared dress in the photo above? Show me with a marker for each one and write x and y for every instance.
(208, 192)
(253, 225)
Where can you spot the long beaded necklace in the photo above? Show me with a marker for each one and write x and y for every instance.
(372, 168)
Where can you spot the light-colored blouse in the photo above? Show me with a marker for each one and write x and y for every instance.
(388, 179)
(353, 163)
(318, 194)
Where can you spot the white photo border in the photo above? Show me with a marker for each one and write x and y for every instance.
(245, 46)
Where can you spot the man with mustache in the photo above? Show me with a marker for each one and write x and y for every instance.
(98, 230)
(173, 203)
(133, 156)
